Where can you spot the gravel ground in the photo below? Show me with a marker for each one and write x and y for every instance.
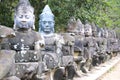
(113, 73)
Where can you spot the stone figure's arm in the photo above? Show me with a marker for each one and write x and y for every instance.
(59, 41)
(39, 43)
(97, 46)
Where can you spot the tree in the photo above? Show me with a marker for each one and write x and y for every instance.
(102, 12)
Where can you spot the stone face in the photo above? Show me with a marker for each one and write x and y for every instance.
(46, 23)
(71, 26)
(88, 30)
(24, 15)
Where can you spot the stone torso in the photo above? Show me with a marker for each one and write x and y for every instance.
(27, 38)
(50, 43)
(23, 43)
(90, 47)
(79, 43)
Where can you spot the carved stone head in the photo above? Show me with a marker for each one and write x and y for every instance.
(105, 33)
(24, 15)
(46, 22)
(88, 29)
(99, 32)
(94, 29)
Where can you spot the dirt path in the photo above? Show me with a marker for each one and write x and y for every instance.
(112, 74)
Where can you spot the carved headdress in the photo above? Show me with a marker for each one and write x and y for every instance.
(79, 25)
(47, 16)
(71, 26)
(47, 12)
(24, 5)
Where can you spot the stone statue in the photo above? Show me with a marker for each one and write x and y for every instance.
(115, 43)
(112, 43)
(68, 52)
(90, 46)
(101, 46)
(27, 42)
(53, 41)
(52, 54)
(77, 28)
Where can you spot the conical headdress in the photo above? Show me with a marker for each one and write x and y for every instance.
(47, 12)
(79, 24)
(24, 6)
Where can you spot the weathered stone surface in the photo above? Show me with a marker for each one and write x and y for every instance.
(6, 61)
(6, 32)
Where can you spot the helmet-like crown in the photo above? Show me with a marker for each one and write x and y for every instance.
(24, 6)
(47, 12)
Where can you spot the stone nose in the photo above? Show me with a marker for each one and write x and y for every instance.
(47, 25)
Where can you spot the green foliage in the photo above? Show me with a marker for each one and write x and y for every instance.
(101, 12)
(6, 12)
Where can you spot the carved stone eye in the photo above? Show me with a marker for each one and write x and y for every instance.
(20, 16)
(44, 22)
(27, 16)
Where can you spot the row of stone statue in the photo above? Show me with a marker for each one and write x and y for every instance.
(26, 54)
